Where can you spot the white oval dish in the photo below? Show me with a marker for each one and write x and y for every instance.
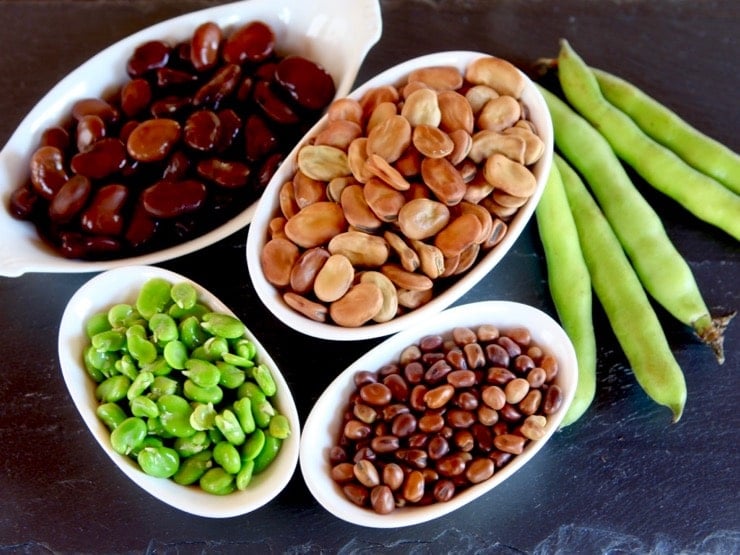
(334, 33)
(122, 285)
(322, 427)
(269, 205)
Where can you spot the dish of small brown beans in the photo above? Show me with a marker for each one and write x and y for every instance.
(188, 142)
(450, 412)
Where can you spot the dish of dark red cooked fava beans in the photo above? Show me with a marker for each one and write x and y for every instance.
(80, 193)
(438, 415)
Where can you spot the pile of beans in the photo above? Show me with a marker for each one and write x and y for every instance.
(182, 391)
(448, 414)
(187, 143)
(401, 191)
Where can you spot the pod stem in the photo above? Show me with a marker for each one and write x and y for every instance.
(711, 330)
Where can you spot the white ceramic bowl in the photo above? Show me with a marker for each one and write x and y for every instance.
(323, 424)
(122, 285)
(334, 33)
(269, 205)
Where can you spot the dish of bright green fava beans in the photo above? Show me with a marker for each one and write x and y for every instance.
(178, 392)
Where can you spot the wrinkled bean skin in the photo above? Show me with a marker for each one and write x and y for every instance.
(220, 108)
(416, 435)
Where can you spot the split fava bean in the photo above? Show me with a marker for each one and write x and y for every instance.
(183, 391)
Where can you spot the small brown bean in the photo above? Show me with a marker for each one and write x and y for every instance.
(382, 500)
(366, 473)
(376, 394)
(413, 487)
(393, 476)
(479, 470)
(510, 443)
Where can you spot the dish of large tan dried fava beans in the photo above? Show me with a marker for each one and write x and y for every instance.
(402, 189)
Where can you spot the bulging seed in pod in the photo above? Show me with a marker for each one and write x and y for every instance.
(334, 278)
(443, 179)
(356, 209)
(423, 218)
(499, 74)
(509, 176)
(389, 139)
(499, 113)
(316, 224)
(323, 162)
(458, 235)
(362, 249)
(389, 308)
(439, 78)
(422, 108)
(361, 303)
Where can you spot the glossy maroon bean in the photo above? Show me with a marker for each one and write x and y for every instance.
(253, 42)
(444, 490)
(337, 454)
(431, 422)
(220, 87)
(474, 355)
(550, 365)
(204, 46)
(202, 130)
(413, 372)
(366, 473)
(48, 173)
(385, 444)
(170, 106)
(500, 458)
(458, 418)
(431, 343)
(56, 136)
(510, 443)
(536, 377)
(142, 226)
(494, 397)
(466, 400)
(153, 139)
(147, 57)
(364, 377)
(456, 359)
(169, 77)
(497, 355)
(23, 201)
(438, 447)
(308, 84)
(390, 411)
(486, 415)
(355, 430)
(416, 398)
(382, 500)
(102, 159)
(226, 173)
(429, 359)
(437, 372)
(364, 453)
(377, 394)
(479, 470)
(231, 125)
(553, 400)
(510, 413)
(499, 375)
(451, 465)
(170, 199)
(416, 458)
(463, 336)
(70, 199)
(523, 364)
(461, 378)
(94, 107)
(397, 385)
(90, 129)
(136, 95)
(273, 106)
(364, 413)
(404, 424)
(357, 493)
(104, 214)
(387, 369)
(464, 440)
(531, 403)
(512, 347)
(482, 435)
(96, 245)
(342, 472)
(267, 169)
(392, 476)
(521, 336)
(177, 166)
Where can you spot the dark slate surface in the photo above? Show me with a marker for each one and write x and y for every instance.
(621, 480)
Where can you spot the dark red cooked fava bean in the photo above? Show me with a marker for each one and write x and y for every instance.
(253, 42)
(142, 226)
(90, 129)
(153, 139)
(259, 138)
(376, 394)
(55, 136)
(170, 199)
(308, 84)
(382, 500)
(177, 166)
(104, 215)
(202, 130)
(170, 106)
(220, 87)
(47, 171)
(147, 57)
(267, 169)
(104, 158)
(231, 125)
(274, 107)
(94, 107)
(23, 201)
(70, 199)
(135, 96)
(168, 77)
(204, 46)
(226, 173)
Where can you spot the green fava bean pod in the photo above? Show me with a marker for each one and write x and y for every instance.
(570, 287)
(154, 296)
(630, 314)
(661, 268)
(111, 414)
(700, 194)
(160, 462)
(128, 435)
(223, 325)
(665, 126)
(192, 468)
(217, 481)
(267, 454)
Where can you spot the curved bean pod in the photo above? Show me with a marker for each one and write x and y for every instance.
(665, 126)
(630, 314)
(662, 270)
(570, 287)
(701, 195)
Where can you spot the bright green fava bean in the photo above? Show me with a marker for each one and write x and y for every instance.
(175, 414)
(176, 354)
(184, 295)
(202, 373)
(139, 346)
(126, 366)
(229, 426)
(202, 394)
(180, 314)
(203, 416)
(231, 376)
(163, 385)
(120, 315)
(99, 364)
(163, 328)
(112, 389)
(236, 360)
(192, 468)
(111, 414)
(252, 391)
(144, 407)
(223, 325)
(154, 296)
(217, 481)
(109, 340)
(243, 410)
(253, 445)
(263, 411)
(268, 453)
(227, 456)
(140, 384)
(245, 348)
(128, 435)
(96, 324)
(189, 446)
(191, 334)
(279, 426)
(245, 475)
(215, 347)
(262, 375)
(160, 462)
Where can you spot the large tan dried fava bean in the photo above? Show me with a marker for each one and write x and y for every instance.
(411, 87)
(505, 199)
(389, 309)
(478, 189)
(356, 210)
(323, 162)
(408, 256)
(488, 141)
(467, 258)
(534, 146)
(498, 210)
(423, 218)
(500, 75)
(335, 187)
(382, 112)
(345, 108)
(384, 200)
(411, 299)
(307, 307)
(373, 97)
(422, 108)
(362, 249)
(478, 95)
(277, 259)
(276, 226)
(379, 167)
(316, 224)
(409, 164)
(509, 176)
(389, 139)
(499, 113)
(498, 231)
(405, 279)
(361, 303)
(432, 142)
(431, 259)
(459, 234)
(307, 190)
(356, 159)
(462, 142)
(338, 133)
(304, 271)
(439, 78)
(483, 215)
(334, 278)
(286, 197)
(456, 112)
(443, 179)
